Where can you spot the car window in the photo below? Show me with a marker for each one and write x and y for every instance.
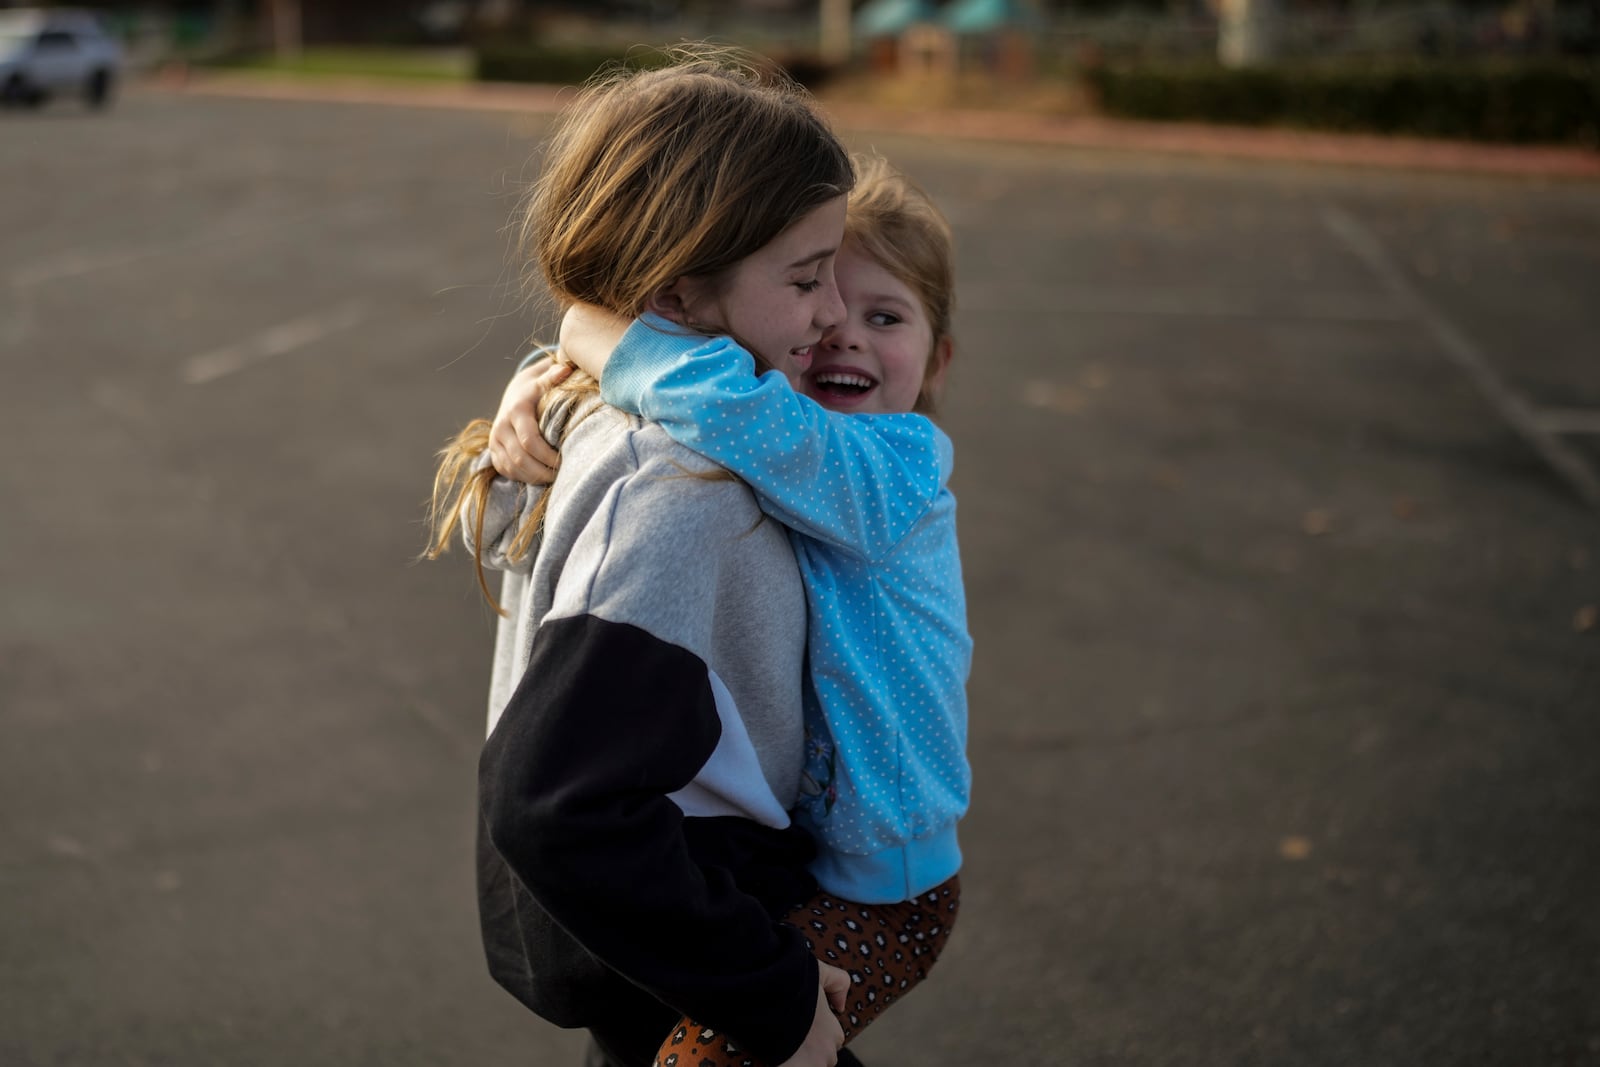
(56, 40)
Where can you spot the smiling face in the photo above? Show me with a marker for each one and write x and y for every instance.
(779, 300)
(883, 353)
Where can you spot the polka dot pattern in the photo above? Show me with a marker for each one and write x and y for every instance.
(873, 524)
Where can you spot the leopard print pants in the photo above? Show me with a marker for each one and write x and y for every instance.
(887, 949)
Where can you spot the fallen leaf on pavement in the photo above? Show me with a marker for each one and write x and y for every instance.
(1062, 398)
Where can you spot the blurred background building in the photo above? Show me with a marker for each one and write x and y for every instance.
(1495, 70)
(1243, 31)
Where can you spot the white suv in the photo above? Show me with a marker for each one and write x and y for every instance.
(45, 53)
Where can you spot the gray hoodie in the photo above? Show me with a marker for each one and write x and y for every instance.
(645, 744)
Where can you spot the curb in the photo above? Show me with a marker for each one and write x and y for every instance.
(1169, 138)
(1238, 142)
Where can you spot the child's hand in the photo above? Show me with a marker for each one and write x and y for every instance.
(823, 1041)
(835, 985)
(588, 336)
(517, 447)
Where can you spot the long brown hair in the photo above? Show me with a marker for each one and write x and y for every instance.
(652, 176)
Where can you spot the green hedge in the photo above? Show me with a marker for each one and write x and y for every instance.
(1506, 101)
(570, 65)
(555, 65)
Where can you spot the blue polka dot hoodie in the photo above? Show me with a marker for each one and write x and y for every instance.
(867, 503)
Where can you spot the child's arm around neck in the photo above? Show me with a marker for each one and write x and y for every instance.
(588, 337)
(857, 482)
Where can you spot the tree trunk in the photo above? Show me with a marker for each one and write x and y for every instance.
(835, 39)
(1247, 32)
(286, 36)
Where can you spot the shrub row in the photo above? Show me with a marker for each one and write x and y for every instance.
(1551, 102)
(555, 65)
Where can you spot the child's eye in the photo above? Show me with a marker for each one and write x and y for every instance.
(883, 318)
(809, 287)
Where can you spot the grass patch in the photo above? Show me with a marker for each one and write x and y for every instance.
(436, 65)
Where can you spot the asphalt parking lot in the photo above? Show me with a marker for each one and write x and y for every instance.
(1280, 523)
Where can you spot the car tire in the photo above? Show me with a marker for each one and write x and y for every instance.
(15, 92)
(97, 93)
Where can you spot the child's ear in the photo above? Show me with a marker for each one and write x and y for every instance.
(944, 350)
(671, 301)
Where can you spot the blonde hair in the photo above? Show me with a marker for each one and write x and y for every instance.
(893, 221)
(652, 176)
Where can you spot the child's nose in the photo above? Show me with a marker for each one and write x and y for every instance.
(830, 313)
(839, 338)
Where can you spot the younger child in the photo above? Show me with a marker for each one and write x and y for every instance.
(861, 482)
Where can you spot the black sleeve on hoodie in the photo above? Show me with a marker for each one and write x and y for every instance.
(573, 786)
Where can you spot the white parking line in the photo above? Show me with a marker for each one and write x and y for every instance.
(1509, 404)
(76, 263)
(277, 341)
(73, 264)
(1570, 421)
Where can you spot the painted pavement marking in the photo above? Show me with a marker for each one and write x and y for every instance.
(276, 341)
(1528, 421)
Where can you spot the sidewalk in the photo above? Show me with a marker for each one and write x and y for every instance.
(1193, 139)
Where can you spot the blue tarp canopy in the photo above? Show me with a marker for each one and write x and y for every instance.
(985, 16)
(889, 18)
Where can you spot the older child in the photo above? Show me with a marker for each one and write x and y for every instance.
(862, 485)
(635, 850)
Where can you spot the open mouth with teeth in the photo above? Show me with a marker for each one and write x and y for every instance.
(840, 385)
